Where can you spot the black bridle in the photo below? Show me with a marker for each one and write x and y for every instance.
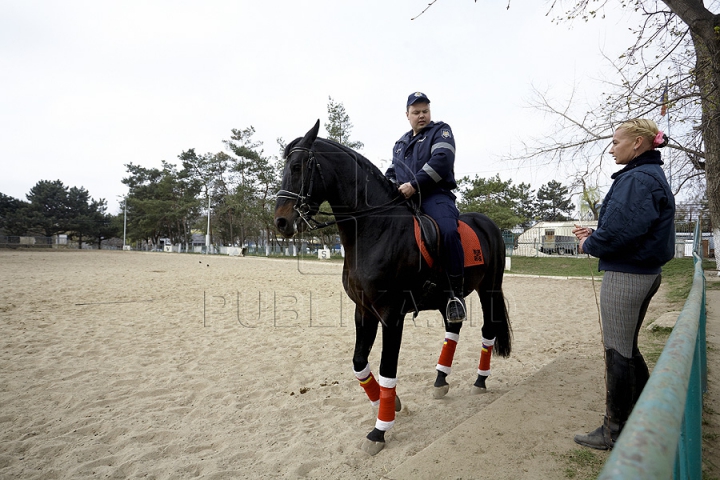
(302, 206)
(305, 208)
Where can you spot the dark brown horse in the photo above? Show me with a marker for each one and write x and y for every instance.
(385, 273)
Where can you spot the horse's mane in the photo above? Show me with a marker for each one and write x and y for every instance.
(365, 164)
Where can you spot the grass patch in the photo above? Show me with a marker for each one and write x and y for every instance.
(677, 275)
(583, 463)
(652, 343)
(582, 266)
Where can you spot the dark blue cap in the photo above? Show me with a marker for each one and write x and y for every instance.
(417, 97)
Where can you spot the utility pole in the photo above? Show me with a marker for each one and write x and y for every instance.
(124, 222)
(207, 235)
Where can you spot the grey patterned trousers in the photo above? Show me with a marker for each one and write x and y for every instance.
(624, 300)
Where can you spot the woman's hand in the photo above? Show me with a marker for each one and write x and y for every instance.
(581, 232)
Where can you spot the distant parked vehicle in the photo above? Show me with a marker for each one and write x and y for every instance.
(560, 244)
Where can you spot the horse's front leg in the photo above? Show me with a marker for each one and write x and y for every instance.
(365, 334)
(447, 354)
(387, 381)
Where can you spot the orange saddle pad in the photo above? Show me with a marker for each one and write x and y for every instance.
(468, 238)
(471, 245)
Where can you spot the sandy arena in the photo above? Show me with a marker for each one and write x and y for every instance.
(161, 365)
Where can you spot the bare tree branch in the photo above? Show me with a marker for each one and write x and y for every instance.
(425, 10)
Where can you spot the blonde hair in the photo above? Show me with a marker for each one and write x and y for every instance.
(642, 127)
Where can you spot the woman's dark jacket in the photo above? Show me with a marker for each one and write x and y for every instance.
(636, 226)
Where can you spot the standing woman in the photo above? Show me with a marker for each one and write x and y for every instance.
(634, 239)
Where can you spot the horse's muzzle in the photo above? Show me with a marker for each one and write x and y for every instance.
(285, 227)
(286, 219)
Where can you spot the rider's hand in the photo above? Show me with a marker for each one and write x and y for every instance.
(406, 190)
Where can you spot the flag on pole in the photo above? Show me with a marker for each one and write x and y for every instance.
(664, 100)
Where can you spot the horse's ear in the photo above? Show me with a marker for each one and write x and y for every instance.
(311, 135)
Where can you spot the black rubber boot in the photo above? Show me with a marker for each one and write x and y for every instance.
(620, 387)
(455, 310)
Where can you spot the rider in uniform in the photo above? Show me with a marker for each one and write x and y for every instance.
(423, 165)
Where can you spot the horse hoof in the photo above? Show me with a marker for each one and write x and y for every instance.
(398, 404)
(475, 390)
(372, 448)
(441, 391)
(374, 442)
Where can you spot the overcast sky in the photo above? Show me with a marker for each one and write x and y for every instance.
(89, 86)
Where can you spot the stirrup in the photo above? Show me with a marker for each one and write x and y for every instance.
(455, 310)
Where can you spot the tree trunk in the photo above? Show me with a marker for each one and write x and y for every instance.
(712, 177)
(707, 70)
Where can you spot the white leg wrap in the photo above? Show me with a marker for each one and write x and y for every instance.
(387, 382)
(455, 337)
(384, 426)
(364, 373)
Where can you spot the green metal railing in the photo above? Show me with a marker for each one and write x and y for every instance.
(663, 436)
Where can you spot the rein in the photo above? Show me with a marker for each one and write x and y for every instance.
(303, 206)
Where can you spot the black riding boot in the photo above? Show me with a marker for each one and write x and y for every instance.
(642, 375)
(455, 310)
(620, 386)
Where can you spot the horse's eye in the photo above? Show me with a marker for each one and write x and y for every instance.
(295, 168)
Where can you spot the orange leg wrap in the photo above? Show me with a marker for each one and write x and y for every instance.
(386, 412)
(485, 358)
(448, 353)
(372, 388)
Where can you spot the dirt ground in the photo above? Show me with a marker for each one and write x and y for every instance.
(162, 365)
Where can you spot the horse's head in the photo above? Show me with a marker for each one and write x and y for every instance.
(302, 187)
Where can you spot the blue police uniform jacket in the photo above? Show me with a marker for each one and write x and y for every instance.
(636, 225)
(426, 160)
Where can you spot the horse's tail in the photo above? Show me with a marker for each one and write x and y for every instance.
(501, 321)
(495, 312)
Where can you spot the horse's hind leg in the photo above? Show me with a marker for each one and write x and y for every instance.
(484, 366)
(496, 331)
(447, 354)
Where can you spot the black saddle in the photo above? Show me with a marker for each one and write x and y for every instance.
(430, 234)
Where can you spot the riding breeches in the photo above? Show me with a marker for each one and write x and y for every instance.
(443, 210)
(624, 300)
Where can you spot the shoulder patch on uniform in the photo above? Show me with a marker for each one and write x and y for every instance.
(446, 133)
